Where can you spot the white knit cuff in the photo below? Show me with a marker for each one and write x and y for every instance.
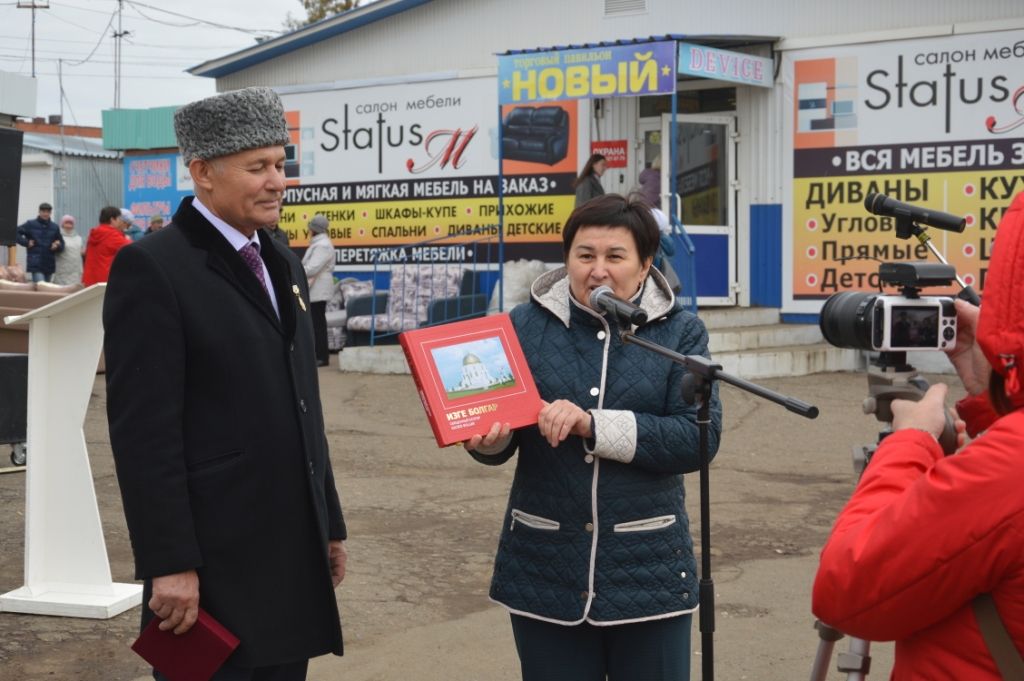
(614, 434)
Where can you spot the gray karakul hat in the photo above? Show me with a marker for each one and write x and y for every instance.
(230, 122)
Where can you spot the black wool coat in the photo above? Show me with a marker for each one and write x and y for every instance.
(218, 435)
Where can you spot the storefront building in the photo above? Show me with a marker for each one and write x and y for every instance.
(787, 115)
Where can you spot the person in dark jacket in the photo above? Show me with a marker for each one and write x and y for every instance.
(595, 561)
(588, 184)
(42, 241)
(218, 436)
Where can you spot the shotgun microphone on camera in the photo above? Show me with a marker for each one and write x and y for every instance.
(880, 204)
(602, 298)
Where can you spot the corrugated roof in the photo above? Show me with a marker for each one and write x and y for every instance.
(139, 128)
(303, 37)
(722, 41)
(72, 146)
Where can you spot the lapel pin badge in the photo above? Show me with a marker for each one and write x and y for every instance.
(298, 297)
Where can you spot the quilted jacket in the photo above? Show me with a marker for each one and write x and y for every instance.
(597, 531)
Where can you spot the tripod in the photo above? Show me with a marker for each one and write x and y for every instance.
(890, 378)
(697, 388)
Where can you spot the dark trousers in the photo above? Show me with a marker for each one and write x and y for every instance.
(293, 671)
(658, 650)
(318, 311)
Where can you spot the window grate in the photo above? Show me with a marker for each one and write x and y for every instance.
(613, 7)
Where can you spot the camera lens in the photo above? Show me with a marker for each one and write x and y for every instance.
(845, 319)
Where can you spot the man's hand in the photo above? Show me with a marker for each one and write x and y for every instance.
(31, 243)
(338, 555)
(54, 245)
(176, 600)
(560, 419)
(967, 358)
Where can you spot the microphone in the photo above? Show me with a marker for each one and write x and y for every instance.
(880, 204)
(602, 298)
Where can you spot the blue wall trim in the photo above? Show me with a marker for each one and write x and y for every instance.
(793, 318)
(766, 255)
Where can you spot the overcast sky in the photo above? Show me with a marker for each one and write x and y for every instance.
(157, 50)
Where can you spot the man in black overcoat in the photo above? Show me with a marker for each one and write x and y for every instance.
(214, 406)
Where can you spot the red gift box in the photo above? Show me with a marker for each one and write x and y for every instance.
(195, 655)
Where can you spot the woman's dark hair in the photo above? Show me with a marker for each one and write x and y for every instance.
(997, 394)
(108, 214)
(588, 169)
(614, 210)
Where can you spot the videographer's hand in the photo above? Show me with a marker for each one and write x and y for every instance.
(967, 358)
(928, 414)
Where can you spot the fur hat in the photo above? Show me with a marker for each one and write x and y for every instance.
(1001, 323)
(318, 225)
(230, 122)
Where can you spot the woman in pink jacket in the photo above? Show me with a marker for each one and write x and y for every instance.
(924, 535)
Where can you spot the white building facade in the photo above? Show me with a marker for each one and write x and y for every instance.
(920, 100)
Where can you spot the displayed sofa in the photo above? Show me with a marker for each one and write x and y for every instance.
(535, 134)
(417, 295)
(345, 290)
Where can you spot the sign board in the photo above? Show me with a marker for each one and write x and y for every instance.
(936, 122)
(614, 152)
(735, 67)
(587, 73)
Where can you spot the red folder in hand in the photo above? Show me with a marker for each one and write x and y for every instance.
(193, 656)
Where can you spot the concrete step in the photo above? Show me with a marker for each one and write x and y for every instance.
(732, 339)
(793, 360)
(734, 317)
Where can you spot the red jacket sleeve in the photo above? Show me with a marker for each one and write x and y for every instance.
(921, 536)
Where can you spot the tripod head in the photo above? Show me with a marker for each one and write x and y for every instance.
(891, 377)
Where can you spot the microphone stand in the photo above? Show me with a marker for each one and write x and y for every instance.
(697, 386)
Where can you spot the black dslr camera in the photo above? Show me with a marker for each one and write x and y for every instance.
(894, 323)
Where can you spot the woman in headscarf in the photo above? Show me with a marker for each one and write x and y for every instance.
(69, 261)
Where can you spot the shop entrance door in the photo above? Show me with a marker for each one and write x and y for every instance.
(705, 199)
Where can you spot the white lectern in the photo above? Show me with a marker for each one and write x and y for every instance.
(66, 567)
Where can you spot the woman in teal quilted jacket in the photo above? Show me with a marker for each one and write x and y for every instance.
(595, 561)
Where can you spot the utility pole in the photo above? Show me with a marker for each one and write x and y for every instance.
(118, 51)
(33, 5)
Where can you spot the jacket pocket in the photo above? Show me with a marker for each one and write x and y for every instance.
(213, 463)
(646, 525)
(534, 521)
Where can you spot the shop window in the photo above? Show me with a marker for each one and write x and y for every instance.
(711, 100)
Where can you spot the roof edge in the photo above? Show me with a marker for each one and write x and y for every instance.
(303, 37)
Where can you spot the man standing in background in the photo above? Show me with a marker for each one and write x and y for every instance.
(42, 241)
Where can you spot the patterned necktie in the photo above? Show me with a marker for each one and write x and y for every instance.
(251, 255)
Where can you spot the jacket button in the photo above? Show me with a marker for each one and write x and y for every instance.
(311, 468)
(595, 391)
(686, 596)
(291, 347)
(589, 527)
(589, 458)
(601, 335)
(683, 575)
(302, 406)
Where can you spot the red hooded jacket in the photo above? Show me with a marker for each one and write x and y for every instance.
(923, 534)
(103, 244)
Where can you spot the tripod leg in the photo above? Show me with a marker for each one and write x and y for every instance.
(827, 637)
(856, 662)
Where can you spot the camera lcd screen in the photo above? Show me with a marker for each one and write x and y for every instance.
(914, 327)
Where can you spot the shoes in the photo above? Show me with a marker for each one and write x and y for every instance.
(324, 363)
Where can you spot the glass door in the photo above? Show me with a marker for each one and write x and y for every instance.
(705, 197)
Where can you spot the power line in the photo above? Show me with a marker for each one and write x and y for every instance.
(252, 31)
(103, 34)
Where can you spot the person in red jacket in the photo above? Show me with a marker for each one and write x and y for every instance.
(924, 535)
(105, 240)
